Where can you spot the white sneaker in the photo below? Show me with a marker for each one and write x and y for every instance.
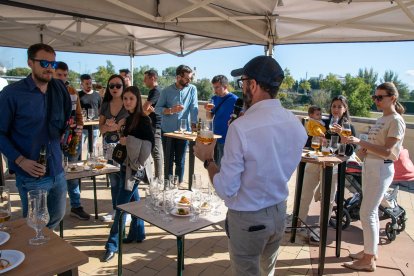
(128, 219)
(314, 236)
(108, 217)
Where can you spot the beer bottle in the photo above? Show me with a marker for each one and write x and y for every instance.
(199, 126)
(42, 156)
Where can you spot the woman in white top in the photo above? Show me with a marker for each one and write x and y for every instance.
(382, 148)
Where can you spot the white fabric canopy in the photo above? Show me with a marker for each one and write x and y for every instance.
(180, 27)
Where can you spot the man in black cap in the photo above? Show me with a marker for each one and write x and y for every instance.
(126, 74)
(262, 150)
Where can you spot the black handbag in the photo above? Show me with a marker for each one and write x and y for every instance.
(119, 154)
(111, 137)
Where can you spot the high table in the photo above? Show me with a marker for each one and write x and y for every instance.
(92, 173)
(54, 257)
(179, 227)
(88, 125)
(327, 164)
(191, 137)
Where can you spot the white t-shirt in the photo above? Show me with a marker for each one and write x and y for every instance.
(387, 126)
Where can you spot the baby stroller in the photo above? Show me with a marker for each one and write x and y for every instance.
(389, 208)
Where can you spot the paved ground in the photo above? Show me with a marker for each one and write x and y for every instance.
(206, 250)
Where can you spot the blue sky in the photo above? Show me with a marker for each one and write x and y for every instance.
(302, 60)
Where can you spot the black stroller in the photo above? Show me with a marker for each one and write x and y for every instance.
(389, 208)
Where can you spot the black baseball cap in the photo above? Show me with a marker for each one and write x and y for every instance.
(264, 69)
(126, 71)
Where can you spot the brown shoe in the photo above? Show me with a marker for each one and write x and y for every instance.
(360, 255)
(360, 267)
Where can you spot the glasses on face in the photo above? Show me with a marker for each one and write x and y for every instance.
(113, 86)
(45, 63)
(240, 82)
(379, 97)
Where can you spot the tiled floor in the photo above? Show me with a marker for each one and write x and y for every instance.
(206, 250)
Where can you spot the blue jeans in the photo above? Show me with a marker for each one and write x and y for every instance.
(157, 154)
(136, 229)
(73, 185)
(177, 153)
(219, 153)
(115, 181)
(95, 136)
(56, 197)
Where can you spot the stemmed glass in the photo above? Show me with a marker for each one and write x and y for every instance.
(325, 147)
(84, 114)
(91, 114)
(197, 184)
(346, 129)
(316, 143)
(5, 208)
(38, 215)
(334, 143)
(215, 202)
(195, 206)
(183, 125)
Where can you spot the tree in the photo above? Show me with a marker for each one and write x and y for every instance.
(139, 79)
(104, 72)
(332, 85)
(390, 76)
(321, 98)
(369, 76)
(288, 81)
(74, 79)
(315, 83)
(19, 71)
(204, 89)
(167, 76)
(305, 86)
(358, 93)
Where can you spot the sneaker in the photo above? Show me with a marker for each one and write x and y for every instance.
(79, 213)
(288, 225)
(128, 219)
(108, 217)
(314, 236)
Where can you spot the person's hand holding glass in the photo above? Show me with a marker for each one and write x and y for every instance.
(346, 129)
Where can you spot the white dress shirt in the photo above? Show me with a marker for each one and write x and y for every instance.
(262, 150)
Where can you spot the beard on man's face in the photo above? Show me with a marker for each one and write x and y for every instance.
(43, 76)
(183, 83)
(248, 97)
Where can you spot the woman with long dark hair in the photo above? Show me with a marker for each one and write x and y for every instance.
(379, 152)
(138, 137)
(112, 116)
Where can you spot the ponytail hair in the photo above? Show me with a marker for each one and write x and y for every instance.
(392, 90)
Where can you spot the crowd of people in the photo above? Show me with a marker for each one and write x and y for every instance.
(39, 109)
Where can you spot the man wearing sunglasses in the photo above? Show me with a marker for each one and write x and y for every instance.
(35, 112)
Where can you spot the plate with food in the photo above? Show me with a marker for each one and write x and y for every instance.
(4, 236)
(181, 212)
(10, 259)
(74, 169)
(205, 206)
(184, 201)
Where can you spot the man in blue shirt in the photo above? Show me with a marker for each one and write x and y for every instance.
(178, 101)
(220, 109)
(35, 113)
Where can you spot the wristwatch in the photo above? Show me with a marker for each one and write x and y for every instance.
(207, 163)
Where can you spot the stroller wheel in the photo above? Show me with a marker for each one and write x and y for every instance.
(390, 231)
(401, 224)
(346, 219)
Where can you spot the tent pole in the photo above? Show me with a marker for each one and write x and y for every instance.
(268, 50)
(131, 65)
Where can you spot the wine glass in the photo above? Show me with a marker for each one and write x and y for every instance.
(38, 215)
(195, 206)
(197, 184)
(183, 125)
(91, 113)
(334, 121)
(215, 202)
(334, 143)
(5, 208)
(316, 143)
(84, 114)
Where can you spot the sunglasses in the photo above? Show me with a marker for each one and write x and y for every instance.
(118, 86)
(45, 63)
(379, 97)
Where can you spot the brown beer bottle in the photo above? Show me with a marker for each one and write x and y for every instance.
(42, 156)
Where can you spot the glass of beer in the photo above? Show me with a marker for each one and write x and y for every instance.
(346, 129)
(5, 207)
(332, 123)
(206, 135)
(326, 150)
(316, 143)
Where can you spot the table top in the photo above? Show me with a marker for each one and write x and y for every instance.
(186, 136)
(54, 257)
(89, 173)
(91, 123)
(322, 160)
(179, 226)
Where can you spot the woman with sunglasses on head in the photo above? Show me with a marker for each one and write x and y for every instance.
(112, 116)
(138, 137)
(311, 182)
(383, 147)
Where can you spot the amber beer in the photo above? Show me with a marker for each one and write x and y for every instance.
(206, 136)
(4, 216)
(346, 132)
(325, 151)
(315, 146)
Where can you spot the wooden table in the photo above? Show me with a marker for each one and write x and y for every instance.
(327, 164)
(92, 173)
(88, 125)
(54, 257)
(188, 137)
(179, 227)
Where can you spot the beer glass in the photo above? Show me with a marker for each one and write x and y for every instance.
(183, 125)
(316, 143)
(325, 147)
(38, 215)
(334, 121)
(346, 129)
(206, 135)
(5, 207)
